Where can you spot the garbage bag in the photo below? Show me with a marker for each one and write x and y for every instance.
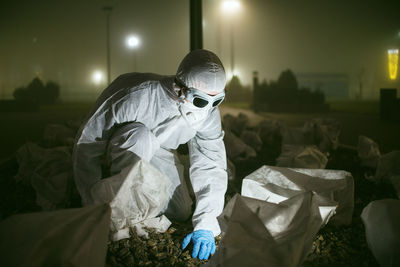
(295, 136)
(296, 156)
(395, 181)
(276, 184)
(259, 233)
(368, 152)
(49, 172)
(139, 192)
(58, 135)
(381, 219)
(53, 179)
(270, 132)
(236, 124)
(236, 149)
(251, 139)
(71, 237)
(324, 132)
(29, 155)
(388, 165)
(231, 170)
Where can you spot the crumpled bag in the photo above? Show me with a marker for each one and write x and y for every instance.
(71, 237)
(236, 124)
(28, 157)
(388, 165)
(138, 193)
(296, 136)
(49, 172)
(388, 170)
(296, 156)
(231, 170)
(324, 132)
(236, 149)
(334, 188)
(368, 152)
(381, 219)
(270, 132)
(251, 139)
(395, 181)
(259, 233)
(58, 135)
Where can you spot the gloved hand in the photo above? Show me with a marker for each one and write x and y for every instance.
(203, 243)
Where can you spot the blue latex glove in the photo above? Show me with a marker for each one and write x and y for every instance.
(203, 243)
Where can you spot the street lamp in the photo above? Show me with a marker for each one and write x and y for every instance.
(97, 77)
(133, 42)
(231, 7)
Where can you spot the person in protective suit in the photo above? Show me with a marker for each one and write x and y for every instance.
(147, 116)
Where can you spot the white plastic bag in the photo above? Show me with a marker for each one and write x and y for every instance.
(388, 165)
(49, 172)
(259, 233)
(71, 237)
(308, 157)
(236, 149)
(324, 132)
(276, 184)
(381, 219)
(138, 193)
(368, 152)
(252, 139)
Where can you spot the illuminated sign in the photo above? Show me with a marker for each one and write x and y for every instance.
(393, 63)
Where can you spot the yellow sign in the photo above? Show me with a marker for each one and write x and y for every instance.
(393, 63)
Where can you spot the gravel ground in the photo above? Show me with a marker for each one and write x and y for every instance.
(333, 246)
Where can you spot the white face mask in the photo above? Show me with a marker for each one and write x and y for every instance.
(194, 115)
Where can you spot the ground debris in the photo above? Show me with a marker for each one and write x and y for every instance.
(160, 249)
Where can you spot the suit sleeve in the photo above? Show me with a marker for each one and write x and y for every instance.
(208, 173)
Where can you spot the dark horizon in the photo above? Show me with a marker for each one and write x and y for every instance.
(65, 41)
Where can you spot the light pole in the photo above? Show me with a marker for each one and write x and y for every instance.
(107, 10)
(230, 7)
(133, 42)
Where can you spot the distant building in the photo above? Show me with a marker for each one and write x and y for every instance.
(333, 85)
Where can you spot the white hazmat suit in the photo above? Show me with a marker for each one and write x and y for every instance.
(142, 114)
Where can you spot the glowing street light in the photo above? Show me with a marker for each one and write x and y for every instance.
(133, 42)
(230, 74)
(231, 7)
(393, 55)
(97, 77)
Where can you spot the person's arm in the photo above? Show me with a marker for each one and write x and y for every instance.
(208, 173)
(209, 181)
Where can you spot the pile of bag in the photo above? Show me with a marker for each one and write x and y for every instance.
(297, 147)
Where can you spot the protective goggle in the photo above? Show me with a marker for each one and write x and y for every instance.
(199, 98)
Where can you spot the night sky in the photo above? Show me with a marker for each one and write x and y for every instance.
(65, 41)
